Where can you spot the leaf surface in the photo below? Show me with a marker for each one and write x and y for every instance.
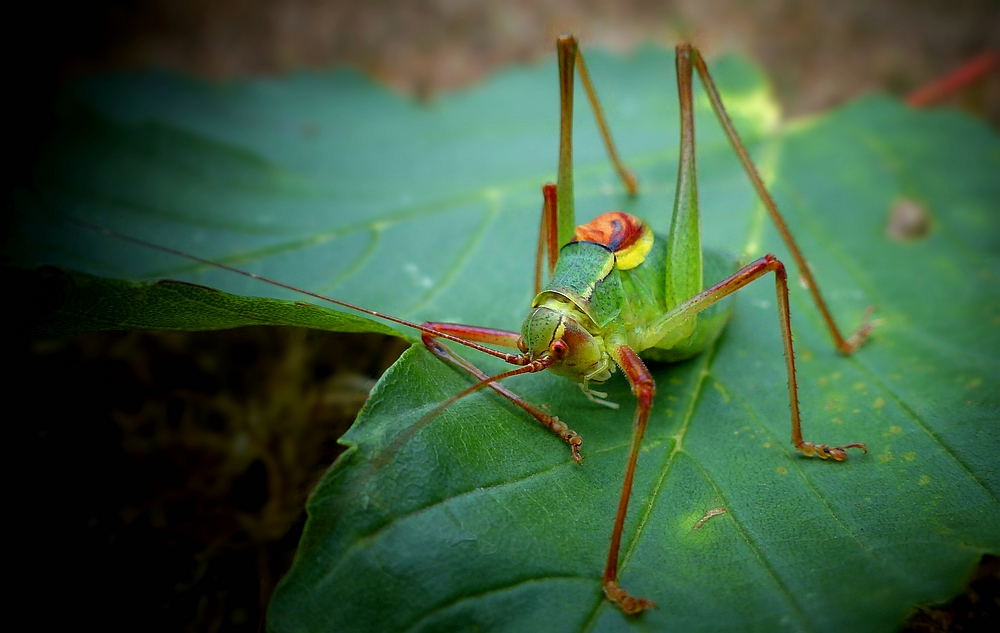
(479, 519)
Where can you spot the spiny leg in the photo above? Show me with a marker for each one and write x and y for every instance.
(644, 389)
(626, 176)
(570, 58)
(671, 321)
(808, 449)
(844, 345)
(505, 339)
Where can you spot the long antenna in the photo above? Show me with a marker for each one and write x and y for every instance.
(513, 359)
(535, 366)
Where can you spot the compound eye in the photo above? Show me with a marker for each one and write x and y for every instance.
(559, 349)
(521, 346)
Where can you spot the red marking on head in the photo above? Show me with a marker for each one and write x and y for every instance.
(614, 229)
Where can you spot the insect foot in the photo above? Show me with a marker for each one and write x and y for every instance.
(625, 602)
(823, 451)
(569, 436)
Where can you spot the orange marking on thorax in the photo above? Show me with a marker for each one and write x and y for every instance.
(614, 229)
(626, 235)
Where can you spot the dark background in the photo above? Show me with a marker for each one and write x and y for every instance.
(159, 478)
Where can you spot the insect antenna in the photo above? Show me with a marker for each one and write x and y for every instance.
(513, 359)
(535, 366)
(525, 364)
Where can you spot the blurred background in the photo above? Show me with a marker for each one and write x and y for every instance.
(818, 54)
(165, 474)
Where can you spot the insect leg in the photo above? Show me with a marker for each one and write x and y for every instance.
(855, 340)
(566, 47)
(644, 389)
(671, 321)
(506, 339)
(627, 177)
(547, 235)
(684, 257)
(569, 58)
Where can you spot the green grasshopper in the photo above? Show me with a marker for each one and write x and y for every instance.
(618, 293)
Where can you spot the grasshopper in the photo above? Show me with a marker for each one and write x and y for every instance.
(617, 294)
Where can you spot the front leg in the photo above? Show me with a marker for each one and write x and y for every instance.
(505, 339)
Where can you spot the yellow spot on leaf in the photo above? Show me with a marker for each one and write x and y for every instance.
(975, 382)
(836, 420)
(895, 429)
(885, 457)
(879, 402)
(782, 470)
(858, 386)
(910, 456)
(822, 382)
(924, 480)
(767, 444)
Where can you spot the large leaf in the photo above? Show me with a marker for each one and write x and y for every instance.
(480, 520)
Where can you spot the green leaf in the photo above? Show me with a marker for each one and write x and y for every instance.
(66, 303)
(480, 519)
